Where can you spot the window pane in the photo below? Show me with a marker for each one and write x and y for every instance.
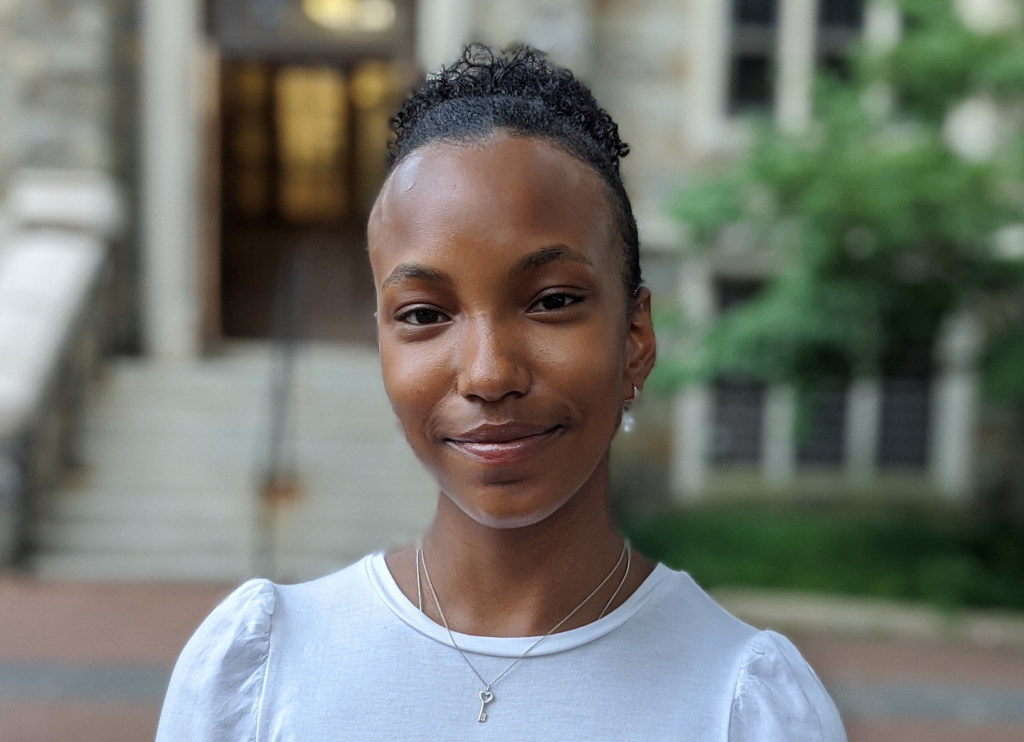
(906, 411)
(823, 442)
(841, 13)
(751, 85)
(738, 413)
(312, 134)
(755, 12)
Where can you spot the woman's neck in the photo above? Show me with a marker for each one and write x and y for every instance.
(522, 581)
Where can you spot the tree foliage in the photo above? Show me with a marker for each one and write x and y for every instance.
(880, 231)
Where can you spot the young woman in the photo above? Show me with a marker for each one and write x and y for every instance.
(513, 330)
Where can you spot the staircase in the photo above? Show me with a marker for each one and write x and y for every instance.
(174, 457)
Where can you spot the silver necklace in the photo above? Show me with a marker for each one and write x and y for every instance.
(487, 695)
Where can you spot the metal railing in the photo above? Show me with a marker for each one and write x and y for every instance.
(52, 269)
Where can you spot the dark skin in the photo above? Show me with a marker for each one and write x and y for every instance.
(508, 347)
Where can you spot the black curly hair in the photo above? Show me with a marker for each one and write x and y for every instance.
(520, 92)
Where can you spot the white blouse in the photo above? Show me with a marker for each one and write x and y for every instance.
(348, 657)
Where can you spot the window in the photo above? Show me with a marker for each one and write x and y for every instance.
(906, 413)
(755, 28)
(821, 439)
(841, 14)
(906, 405)
(839, 25)
(751, 78)
(738, 403)
(755, 12)
(751, 85)
(738, 426)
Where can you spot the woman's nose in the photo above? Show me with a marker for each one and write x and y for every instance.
(493, 362)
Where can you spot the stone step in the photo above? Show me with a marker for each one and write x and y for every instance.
(151, 536)
(168, 504)
(179, 566)
(340, 504)
(174, 459)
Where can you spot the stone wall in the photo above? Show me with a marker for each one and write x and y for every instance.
(8, 92)
(639, 75)
(60, 52)
(68, 101)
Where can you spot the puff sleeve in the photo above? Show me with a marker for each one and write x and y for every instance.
(216, 688)
(778, 697)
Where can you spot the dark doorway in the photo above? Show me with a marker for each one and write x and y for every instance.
(306, 90)
(304, 153)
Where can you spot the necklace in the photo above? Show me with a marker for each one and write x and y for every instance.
(487, 695)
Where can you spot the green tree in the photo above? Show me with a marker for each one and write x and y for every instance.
(880, 229)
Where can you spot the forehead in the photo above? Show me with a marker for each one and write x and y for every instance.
(509, 194)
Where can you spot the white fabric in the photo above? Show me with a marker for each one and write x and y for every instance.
(348, 657)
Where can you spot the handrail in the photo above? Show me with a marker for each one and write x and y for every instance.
(49, 338)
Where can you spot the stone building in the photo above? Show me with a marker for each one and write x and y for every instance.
(247, 139)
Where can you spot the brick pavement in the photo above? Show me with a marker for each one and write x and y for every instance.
(958, 692)
(88, 663)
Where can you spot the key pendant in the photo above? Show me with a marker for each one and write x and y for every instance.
(485, 698)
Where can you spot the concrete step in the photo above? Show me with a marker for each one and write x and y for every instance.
(149, 536)
(169, 505)
(179, 566)
(174, 466)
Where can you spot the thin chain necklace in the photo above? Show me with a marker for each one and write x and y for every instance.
(487, 695)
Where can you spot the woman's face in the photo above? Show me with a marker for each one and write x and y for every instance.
(506, 345)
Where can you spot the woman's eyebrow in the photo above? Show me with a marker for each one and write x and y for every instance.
(552, 254)
(416, 272)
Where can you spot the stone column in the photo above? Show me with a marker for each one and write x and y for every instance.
(565, 30)
(691, 406)
(778, 452)
(708, 79)
(170, 180)
(443, 27)
(883, 26)
(798, 21)
(863, 427)
(955, 407)
(8, 92)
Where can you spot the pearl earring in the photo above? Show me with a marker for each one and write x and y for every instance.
(628, 418)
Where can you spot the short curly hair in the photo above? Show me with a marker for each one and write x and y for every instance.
(521, 92)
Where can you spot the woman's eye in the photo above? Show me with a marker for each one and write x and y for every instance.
(552, 302)
(422, 317)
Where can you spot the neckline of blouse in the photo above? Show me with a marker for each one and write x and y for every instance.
(388, 591)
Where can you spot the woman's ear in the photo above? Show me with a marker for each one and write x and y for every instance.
(641, 346)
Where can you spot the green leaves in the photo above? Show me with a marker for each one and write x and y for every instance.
(946, 560)
(880, 229)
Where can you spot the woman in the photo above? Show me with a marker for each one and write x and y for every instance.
(513, 332)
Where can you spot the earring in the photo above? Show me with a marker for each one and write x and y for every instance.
(628, 418)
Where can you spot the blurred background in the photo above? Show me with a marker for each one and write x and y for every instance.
(830, 195)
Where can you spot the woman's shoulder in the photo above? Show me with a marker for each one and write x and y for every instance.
(775, 695)
(779, 697)
(696, 616)
(217, 684)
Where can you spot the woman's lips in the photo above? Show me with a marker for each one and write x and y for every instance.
(503, 444)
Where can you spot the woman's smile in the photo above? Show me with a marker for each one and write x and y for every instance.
(505, 444)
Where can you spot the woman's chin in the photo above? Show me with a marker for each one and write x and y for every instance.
(506, 508)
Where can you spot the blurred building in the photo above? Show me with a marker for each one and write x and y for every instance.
(247, 138)
(906, 435)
